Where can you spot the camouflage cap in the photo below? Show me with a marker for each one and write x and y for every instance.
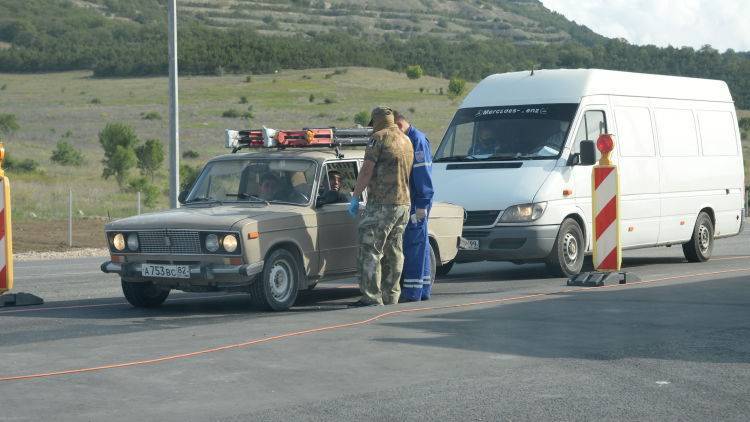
(381, 114)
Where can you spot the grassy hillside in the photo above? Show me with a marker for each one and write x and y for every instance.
(75, 107)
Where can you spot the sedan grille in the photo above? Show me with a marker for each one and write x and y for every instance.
(481, 218)
(170, 242)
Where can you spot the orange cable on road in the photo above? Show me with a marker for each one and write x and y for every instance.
(351, 324)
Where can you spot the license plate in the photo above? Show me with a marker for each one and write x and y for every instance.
(165, 271)
(469, 244)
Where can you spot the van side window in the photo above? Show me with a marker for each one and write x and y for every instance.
(718, 136)
(677, 134)
(593, 124)
(634, 136)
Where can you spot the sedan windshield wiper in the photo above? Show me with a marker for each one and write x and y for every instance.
(254, 198)
(204, 200)
(456, 158)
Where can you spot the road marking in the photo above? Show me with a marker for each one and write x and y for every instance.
(269, 339)
(56, 275)
(660, 383)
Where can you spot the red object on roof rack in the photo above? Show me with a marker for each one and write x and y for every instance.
(313, 137)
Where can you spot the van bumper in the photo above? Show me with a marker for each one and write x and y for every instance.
(509, 243)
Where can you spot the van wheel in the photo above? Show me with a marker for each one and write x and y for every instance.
(701, 245)
(444, 269)
(143, 295)
(278, 285)
(566, 257)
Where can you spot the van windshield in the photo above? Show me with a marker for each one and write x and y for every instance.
(523, 132)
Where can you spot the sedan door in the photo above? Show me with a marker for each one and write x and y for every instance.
(337, 230)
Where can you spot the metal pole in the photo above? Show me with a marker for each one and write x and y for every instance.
(138, 196)
(70, 218)
(174, 139)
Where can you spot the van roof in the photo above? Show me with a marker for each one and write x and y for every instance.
(569, 85)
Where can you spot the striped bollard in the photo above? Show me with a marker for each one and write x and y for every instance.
(6, 248)
(606, 209)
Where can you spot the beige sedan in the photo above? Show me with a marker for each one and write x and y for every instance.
(266, 223)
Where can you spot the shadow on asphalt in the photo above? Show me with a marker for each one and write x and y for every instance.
(702, 321)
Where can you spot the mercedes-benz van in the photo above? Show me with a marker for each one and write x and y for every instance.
(512, 158)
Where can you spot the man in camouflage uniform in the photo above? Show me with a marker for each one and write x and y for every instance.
(385, 174)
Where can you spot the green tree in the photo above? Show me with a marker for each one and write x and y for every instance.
(8, 124)
(414, 71)
(188, 174)
(150, 157)
(118, 141)
(456, 86)
(66, 155)
(150, 192)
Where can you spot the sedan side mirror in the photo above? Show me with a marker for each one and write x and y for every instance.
(588, 153)
(182, 196)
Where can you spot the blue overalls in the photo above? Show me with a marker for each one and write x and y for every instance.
(417, 280)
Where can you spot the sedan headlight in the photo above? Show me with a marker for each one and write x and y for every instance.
(212, 243)
(118, 241)
(523, 213)
(133, 242)
(229, 243)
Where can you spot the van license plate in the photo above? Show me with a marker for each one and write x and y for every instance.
(469, 244)
(165, 271)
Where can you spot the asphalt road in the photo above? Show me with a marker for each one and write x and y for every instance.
(497, 342)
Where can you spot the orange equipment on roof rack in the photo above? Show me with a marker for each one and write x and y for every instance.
(309, 137)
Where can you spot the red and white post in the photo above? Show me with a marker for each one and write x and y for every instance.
(606, 209)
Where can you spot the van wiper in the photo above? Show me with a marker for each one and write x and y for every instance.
(253, 198)
(456, 158)
(516, 157)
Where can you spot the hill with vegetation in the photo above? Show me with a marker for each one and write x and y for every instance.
(470, 39)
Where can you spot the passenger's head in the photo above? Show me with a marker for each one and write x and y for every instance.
(269, 186)
(401, 121)
(335, 180)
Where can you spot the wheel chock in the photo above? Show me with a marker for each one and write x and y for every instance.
(598, 279)
(20, 299)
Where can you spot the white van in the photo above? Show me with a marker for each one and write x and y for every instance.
(513, 158)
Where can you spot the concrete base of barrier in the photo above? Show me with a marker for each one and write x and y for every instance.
(20, 299)
(598, 279)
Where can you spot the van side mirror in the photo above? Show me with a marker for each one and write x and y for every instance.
(182, 196)
(588, 153)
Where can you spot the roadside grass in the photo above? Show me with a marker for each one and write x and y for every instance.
(49, 105)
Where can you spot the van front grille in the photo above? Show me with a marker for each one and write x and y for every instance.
(481, 218)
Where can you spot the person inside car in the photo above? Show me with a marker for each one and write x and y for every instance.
(334, 195)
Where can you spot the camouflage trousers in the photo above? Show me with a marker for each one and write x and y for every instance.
(381, 252)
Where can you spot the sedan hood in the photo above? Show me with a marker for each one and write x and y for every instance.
(221, 217)
(477, 186)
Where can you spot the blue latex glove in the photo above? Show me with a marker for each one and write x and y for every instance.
(353, 207)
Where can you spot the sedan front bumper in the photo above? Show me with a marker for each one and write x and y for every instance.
(197, 272)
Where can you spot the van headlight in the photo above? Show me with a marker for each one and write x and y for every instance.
(212, 243)
(229, 242)
(523, 213)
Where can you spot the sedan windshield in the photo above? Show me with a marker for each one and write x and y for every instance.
(524, 132)
(255, 180)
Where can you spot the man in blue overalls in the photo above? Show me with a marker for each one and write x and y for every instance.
(417, 277)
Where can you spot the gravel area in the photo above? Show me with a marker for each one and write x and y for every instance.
(74, 253)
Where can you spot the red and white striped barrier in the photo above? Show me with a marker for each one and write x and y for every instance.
(6, 244)
(606, 209)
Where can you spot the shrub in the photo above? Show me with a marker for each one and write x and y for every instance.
(456, 86)
(441, 91)
(231, 113)
(190, 154)
(95, 101)
(8, 124)
(248, 79)
(311, 98)
(329, 101)
(745, 123)
(20, 166)
(2, 88)
(412, 110)
(362, 118)
(149, 192)
(66, 155)
(151, 115)
(414, 72)
(150, 157)
(421, 89)
(243, 100)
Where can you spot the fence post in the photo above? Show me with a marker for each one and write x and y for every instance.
(138, 196)
(70, 218)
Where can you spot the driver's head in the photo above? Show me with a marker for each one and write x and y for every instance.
(269, 186)
(334, 180)
(486, 135)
